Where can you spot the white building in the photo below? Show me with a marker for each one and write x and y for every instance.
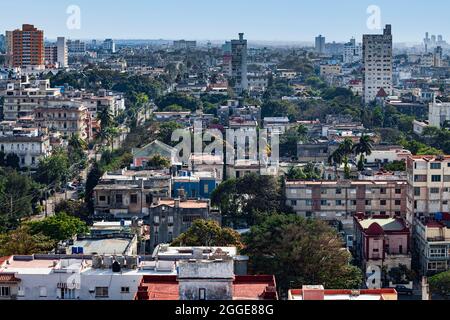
(352, 52)
(62, 52)
(27, 143)
(439, 113)
(377, 57)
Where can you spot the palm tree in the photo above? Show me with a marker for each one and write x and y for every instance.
(106, 119)
(347, 149)
(363, 148)
(341, 155)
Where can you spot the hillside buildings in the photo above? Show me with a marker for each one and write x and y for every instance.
(378, 64)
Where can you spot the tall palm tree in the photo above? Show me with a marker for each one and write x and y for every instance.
(363, 148)
(341, 155)
(106, 119)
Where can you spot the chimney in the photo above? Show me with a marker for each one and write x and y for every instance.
(315, 293)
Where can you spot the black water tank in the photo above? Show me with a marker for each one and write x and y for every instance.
(116, 266)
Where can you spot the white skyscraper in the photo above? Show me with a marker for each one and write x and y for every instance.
(352, 52)
(377, 56)
(239, 64)
(62, 52)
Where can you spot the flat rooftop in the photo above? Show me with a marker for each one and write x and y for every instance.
(102, 246)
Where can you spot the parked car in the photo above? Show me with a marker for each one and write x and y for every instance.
(403, 290)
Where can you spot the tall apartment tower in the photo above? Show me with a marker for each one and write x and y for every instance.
(62, 52)
(9, 48)
(239, 64)
(320, 44)
(28, 47)
(377, 57)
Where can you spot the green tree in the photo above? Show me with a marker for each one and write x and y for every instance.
(363, 148)
(300, 252)
(158, 161)
(246, 198)
(21, 241)
(54, 170)
(74, 208)
(208, 233)
(106, 119)
(165, 132)
(59, 227)
(12, 161)
(309, 172)
(440, 284)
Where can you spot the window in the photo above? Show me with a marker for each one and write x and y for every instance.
(368, 202)
(119, 199)
(102, 198)
(338, 202)
(308, 202)
(202, 294)
(156, 219)
(383, 202)
(170, 219)
(42, 292)
(383, 191)
(5, 291)
(436, 178)
(125, 290)
(101, 292)
(206, 189)
(323, 202)
(434, 190)
(398, 191)
(148, 198)
(420, 178)
(398, 202)
(133, 198)
(67, 294)
(338, 191)
(294, 203)
(435, 166)
(417, 192)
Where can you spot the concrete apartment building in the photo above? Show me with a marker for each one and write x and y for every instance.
(130, 193)
(168, 218)
(57, 54)
(352, 52)
(432, 244)
(320, 44)
(377, 59)
(28, 47)
(22, 97)
(239, 64)
(184, 45)
(76, 47)
(428, 186)
(27, 143)
(9, 52)
(66, 117)
(340, 200)
(382, 241)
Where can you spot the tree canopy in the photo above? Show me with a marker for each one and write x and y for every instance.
(300, 252)
(208, 233)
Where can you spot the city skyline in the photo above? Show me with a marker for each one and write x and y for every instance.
(290, 21)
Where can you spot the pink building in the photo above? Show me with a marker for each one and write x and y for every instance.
(382, 241)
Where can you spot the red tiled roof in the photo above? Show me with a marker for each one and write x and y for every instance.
(244, 288)
(3, 259)
(8, 278)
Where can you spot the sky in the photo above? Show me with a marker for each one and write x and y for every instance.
(270, 20)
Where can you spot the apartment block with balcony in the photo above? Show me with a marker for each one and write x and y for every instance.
(126, 194)
(382, 241)
(340, 200)
(66, 117)
(432, 244)
(27, 143)
(428, 186)
(22, 97)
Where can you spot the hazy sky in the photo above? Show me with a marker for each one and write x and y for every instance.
(283, 20)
